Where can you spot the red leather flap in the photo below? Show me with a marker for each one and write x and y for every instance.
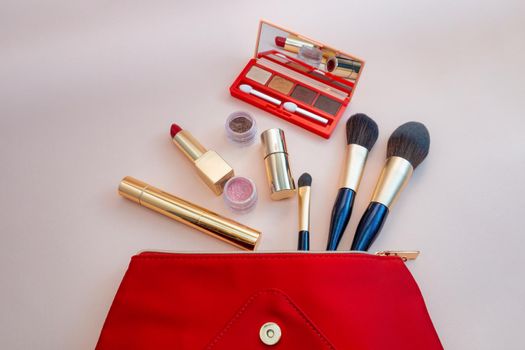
(297, 331)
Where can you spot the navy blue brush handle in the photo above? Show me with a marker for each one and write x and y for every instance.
(304, 240)
(340, 216)
(369, 226)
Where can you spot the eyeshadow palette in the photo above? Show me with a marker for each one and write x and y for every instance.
(278, 80)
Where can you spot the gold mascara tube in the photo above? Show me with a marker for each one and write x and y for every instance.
(188, 213)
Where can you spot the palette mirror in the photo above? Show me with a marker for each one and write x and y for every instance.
(313, 53)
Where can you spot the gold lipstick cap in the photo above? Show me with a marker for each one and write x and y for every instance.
(211, 168)
(278, 172)
(188, 213)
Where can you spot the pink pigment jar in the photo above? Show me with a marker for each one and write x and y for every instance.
(240, 194)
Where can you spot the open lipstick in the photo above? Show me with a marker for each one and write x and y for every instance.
(212, 169)
(407, 147)
(361, 135)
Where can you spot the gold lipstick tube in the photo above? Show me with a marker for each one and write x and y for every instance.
(278, 172)
(294, 44)
(304, 208)
(212, 169)
(353, 167)
(188, 213)
(343, 67)
(394, 177)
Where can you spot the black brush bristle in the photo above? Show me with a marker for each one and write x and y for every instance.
(361, 130)
(410, 141)
(305, 180)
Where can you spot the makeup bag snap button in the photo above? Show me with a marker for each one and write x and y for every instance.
(270, 333)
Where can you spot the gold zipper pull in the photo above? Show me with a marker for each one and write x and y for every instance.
(404, 255)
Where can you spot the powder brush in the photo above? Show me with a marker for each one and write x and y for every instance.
(361, 135)
(407, 147)
(305, 183)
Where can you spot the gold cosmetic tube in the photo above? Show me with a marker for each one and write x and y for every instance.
(343, 67)
(294, 44)
(188, 213)
(212, 169)
(278, 172)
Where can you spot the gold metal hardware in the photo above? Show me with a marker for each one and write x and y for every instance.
(404, 255)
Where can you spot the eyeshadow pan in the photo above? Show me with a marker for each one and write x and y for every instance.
(303, 94)
(259, 75)
(280, 84)
(327, 104)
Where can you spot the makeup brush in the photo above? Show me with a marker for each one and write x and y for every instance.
(305, 183)
(407, 148)
(248, 89)
(361, 135)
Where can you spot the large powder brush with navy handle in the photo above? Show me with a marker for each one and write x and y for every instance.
(407, 147)
(361, 135)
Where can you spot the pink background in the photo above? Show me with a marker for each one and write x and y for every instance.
(89, 89)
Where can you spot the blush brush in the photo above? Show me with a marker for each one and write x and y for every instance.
(361, 135)
(407, 147)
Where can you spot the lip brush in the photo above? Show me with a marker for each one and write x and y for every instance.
(305, 183)
(407, 147)
(361, 135)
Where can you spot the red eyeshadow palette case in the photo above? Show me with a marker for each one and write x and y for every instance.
(298, 79)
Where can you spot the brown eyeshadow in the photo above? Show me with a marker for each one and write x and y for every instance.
(240, 124)
(281, 85)
(303, 94)
(327, 104)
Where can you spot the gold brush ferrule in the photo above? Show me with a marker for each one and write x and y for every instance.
(354, 165)
(212, 169)
(188, 213)
(304, 208)
(394, 177)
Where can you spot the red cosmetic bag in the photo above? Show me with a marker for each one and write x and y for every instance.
(300, 300)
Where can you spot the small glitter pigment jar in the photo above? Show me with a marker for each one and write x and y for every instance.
(240, 194)
(241, 128)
